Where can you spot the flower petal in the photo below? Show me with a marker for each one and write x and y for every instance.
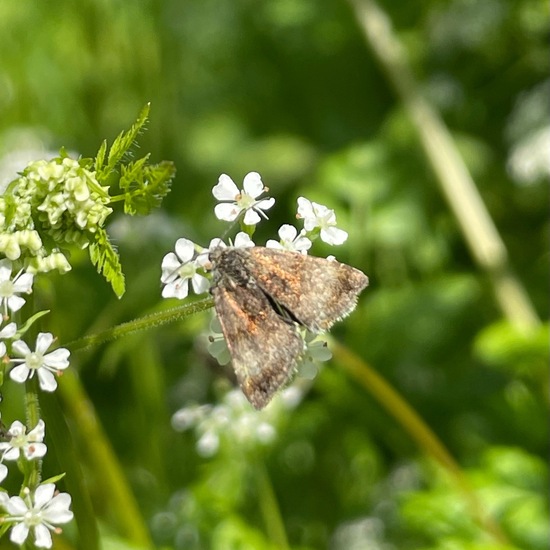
(253, 185)
(43, 341)
(251, 217)
(243, 240)
(20, 373)
(333, 235)
(19, 533)
(57, 511)
(3, 474)
(227, 212)
(23, 283)
(42, 536)
(57, 359)
(35, 450)
(46, 380)
(43, 494)
(177, 289)
(225, 190)
(20, 348)
(185, 249)
(15, 303)
(16, 506)
(5, 270)
(265, 204)
(305, 208)
(287, 232)
(200, 284)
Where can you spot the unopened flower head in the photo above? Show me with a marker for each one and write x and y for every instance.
(40, 513)
(319, 217)
(44, 364)
(234, 201)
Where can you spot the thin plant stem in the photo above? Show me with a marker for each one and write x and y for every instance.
(415, 426)
(452, 174)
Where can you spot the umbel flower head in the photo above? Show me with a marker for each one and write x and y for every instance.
(38, 512)
(39, 362)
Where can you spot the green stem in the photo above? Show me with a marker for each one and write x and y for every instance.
(32, 468)
(148, 321)
(270, 508)
(415, 426)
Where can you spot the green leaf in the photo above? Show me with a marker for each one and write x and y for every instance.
(100, 157)
(105, 258)
(123, 142)
(145, 186)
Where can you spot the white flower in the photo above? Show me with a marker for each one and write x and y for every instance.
(317, 215)
(3, 474)
(45, 364)
(242, 240)
(316, 351)
(10, 288)
(290, 240)
(40, 512)
(7, 332)
(240, 201)
(180, 268)
(29, 443)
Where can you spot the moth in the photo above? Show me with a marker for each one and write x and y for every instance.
(262, 296)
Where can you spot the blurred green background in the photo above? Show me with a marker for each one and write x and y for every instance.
(293, 89)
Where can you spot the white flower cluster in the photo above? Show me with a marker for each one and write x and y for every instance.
(188, 265)
(232, 421)
(38, 509)
(70, 205)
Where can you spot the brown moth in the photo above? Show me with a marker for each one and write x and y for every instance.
(261, 295)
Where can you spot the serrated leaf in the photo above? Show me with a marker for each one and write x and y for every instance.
(125, 140)
(100, 159)
(145, 186)
(105, 257)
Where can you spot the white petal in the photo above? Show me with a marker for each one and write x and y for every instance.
(57, 359)
(20, 373)
(170, 265)
(302, 244)
(15, 303)
(253, 185)
(225, 190)
(185, 249)
(227, 212)
(35, 450)
(19, 533)
(43, 494)
(178, 289)
(305, 208)
(38, 432)
(2, 349)
(8, 331)
(251, 217)
(200, 284)
(265, 204)
(17, 428)
(287, 232)
(46, 380)
(16, 506)
(42, 536)
(20, 348)
(3, 474)
(333, 235)
(23, 283)
(216, 243)
(12, 454)
(43, 341)
(5, 270)
(274, 244)
(243, 240)
(57, 511)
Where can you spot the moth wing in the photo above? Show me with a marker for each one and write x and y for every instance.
(263, 346)
(317, 292)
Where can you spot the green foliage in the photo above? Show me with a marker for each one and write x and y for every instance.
(105, 257)
(290, 89)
